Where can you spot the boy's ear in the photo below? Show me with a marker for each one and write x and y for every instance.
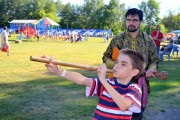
(135, 72)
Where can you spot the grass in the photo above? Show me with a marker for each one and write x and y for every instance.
(29, 92)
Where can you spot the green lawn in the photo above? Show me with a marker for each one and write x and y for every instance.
(29, 92)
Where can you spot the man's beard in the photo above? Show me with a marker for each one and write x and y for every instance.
(132, 28)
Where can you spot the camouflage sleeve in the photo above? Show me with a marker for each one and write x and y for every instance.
(153, 56)
(107, 56)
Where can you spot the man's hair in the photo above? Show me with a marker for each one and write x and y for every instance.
(135, 11)
(137, 60)
(170, 41)
(5, 28)
(157, 26)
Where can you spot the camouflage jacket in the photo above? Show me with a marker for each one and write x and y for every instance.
(142, 43)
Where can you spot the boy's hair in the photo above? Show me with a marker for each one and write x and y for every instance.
(137, 61)
(135, 11)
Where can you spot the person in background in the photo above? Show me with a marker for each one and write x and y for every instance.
(173, 37)
(64, 35)
(21, 36)
(166, 48)
(56, 34)
(73, 36)
(79, 39)
(178, 36)
(9, 33)
(37, 35)
(4, 40)
(105, 35)
(86, 37)
(157, 36)
(175, 49)
(136, 40)
(118, 97)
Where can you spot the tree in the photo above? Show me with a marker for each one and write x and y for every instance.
(163, 28)
(93, 14)
(66, 16)
(171, 22)
(59, 7)
(151, 11)
(13, 9)
(102, 16)
(116, 16)
(37, 9)
(50, 10)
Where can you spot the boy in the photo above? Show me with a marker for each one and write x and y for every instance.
(118, 97)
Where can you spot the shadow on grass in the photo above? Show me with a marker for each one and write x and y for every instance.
(172, 68)
(165, 95)
(47, 99)
(23, 40)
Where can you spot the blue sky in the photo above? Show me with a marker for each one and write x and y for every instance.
(165, 5)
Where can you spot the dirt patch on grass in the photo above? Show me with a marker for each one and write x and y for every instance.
(163, 107)
(167, 114)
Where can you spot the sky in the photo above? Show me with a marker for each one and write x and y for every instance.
(165, 5)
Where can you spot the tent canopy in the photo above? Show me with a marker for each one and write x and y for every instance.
(45, 21)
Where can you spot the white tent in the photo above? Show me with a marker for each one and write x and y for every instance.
(22, 21)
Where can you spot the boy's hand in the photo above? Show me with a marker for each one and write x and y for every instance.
(102, 72)
(51, 67)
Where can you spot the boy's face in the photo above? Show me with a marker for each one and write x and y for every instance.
(123, 68)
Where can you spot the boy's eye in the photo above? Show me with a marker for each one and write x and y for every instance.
(123, 64)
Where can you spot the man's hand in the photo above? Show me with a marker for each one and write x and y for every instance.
(150, 73)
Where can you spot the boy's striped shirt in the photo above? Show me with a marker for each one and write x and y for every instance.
(107, 108)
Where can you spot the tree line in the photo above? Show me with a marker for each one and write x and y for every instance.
(93, 14)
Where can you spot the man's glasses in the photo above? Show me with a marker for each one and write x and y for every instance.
(133, 20)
